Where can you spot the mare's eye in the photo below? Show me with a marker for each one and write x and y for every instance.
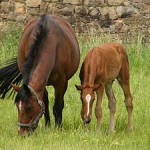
(28, 109)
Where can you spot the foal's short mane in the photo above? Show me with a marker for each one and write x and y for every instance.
(39, 33)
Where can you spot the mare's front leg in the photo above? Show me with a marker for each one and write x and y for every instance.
(46, 102)
(60, 90)
(98, 108)
(111, 105)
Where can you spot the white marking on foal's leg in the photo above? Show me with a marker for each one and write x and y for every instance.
(88, 99)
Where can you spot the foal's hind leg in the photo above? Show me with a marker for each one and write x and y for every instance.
(111, 105)
(59, 102)
(46, 102)
(123, 79)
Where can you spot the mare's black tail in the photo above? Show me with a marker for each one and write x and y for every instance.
(9, 74)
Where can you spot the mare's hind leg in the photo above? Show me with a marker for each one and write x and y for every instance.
(111, 105)
(123, 79)
(46, 102)
(60, 90)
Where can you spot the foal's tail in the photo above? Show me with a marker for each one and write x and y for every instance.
(9, 74)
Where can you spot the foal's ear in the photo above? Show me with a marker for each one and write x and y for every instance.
(95, 87)
(15, 87)
(78, 87)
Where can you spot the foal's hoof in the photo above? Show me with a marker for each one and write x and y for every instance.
(130, 129)
(87, 121)
(110, 132)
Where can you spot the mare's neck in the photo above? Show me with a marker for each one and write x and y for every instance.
(41, 71)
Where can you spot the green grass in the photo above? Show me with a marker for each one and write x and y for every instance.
(74, 136)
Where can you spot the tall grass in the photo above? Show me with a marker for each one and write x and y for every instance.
(74, 135)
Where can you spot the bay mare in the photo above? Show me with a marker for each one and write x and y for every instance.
(48, 54)
(101, 66)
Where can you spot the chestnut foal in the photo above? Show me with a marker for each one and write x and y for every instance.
(102, 65)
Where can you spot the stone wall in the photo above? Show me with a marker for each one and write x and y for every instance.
(97, 16)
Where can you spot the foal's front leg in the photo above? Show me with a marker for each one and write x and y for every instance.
(111, 105)
(98, 108)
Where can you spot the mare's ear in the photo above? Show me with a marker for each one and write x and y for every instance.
(95, 87)
(26, 88)
(15, 87)
(78, 87)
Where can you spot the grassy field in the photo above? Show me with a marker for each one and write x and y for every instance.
(74, 136)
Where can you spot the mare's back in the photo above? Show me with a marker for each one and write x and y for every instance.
(61, 43)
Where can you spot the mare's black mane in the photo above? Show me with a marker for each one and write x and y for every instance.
(39, 33)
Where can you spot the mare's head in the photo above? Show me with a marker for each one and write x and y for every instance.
(30, 109)
(87, 98)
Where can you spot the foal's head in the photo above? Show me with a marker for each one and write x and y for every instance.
(87, 98)
(30, 109)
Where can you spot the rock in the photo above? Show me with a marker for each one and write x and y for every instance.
(87, 2)
(103, 11)
(54, 0)
(66, 2)
(46, 0)
(127, 3)
(21, 1)
(76, 2)
(118, 25)
(112, 13)
(33, 11)
(70, 19)
(121, 11)
(94, 12)
(67, 11)
(115, 2)
(100, 1)
(108, 11)
(21, 18)
(6, 7)
(125, 28)
(81, 10)
(11, 17)
(33, 3)
(131, 10)
(112, 29)
(142, 1)
(20, 8)
(52, 8)
(43, 7)
(86, 19)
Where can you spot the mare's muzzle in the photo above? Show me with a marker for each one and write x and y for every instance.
(34, 124)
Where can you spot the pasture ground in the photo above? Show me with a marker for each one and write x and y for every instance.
(74, 136)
